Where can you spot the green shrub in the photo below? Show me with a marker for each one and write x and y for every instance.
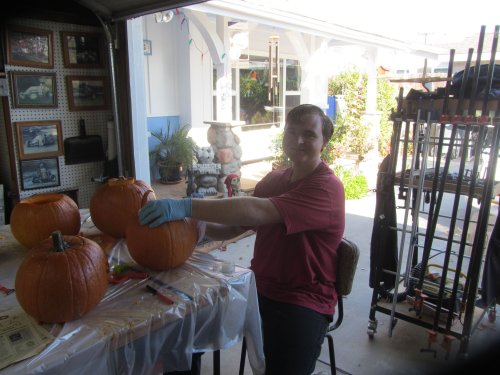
(355, 185)
(351, 131)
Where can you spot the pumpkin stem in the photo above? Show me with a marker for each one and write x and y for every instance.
(58, 241)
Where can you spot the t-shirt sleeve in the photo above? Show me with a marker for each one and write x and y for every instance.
(312, 205)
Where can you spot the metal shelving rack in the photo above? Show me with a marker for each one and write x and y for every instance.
(444, 172)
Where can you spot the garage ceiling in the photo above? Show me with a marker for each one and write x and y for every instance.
(122, 9)
(84, 11)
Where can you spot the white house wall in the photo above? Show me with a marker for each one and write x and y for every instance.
(178, 73)
(163, 79)
(179, 69)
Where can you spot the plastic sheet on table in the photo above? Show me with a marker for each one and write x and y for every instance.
(133, 331)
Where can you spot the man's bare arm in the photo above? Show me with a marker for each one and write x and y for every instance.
(222, 232)
(236, 211)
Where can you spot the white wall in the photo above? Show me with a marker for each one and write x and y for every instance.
(162, 76)
(178, 74)
(200, 63)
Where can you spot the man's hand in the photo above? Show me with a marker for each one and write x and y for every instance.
(154, 213)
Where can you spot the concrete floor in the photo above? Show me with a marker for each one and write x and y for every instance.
(357, 353)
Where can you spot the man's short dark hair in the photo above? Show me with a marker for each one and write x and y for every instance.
(305, 109)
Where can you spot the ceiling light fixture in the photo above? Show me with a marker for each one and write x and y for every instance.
(164, 16)
(239, 42)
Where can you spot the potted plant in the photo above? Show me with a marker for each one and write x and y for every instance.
(174, 153)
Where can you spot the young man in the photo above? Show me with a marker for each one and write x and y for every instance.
(298, 214)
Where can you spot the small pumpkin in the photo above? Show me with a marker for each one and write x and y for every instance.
(62, 278)
(164, 247)
(34, 218)
(118, 201)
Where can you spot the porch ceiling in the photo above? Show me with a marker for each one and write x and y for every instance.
(281, 17)
(261, 14)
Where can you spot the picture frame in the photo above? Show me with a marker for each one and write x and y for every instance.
(82, 50)
(39, 139)
(39, 173)
(33, 90)
(147, 47)
(86, 93)
(27, 46)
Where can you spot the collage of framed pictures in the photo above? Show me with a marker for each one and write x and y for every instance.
(39, 145)
(33, 85)
(32, 47)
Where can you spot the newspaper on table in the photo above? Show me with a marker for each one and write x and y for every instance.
(20, 337)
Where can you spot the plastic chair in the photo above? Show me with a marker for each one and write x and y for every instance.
(347, 261)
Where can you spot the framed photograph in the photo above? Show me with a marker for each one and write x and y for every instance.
(37, 139)
(87, 93)
(29, 47)
(147, 47)
(39, 173)
(83, 50)
(33, 90)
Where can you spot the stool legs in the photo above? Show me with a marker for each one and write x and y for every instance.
(243, 356)
(217, 362)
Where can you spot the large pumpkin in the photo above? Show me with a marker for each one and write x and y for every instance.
(62, 278)
(164, 247)
(118, 201)
(34, 219)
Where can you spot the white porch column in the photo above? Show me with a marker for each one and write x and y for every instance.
(371, 119)
(314, 88)
(138, 102)
(217, 40)
(224, 78)
(371, 116)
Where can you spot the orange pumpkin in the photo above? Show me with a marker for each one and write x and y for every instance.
(33, 219)
(62, 278)
(118, 201)
(164, 247)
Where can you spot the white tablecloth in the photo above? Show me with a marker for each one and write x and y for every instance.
(132, 331)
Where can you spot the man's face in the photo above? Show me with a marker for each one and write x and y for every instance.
(303, 139)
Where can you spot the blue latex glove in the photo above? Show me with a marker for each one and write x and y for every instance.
(154, 213)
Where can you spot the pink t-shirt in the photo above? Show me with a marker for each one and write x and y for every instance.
(295, 261)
